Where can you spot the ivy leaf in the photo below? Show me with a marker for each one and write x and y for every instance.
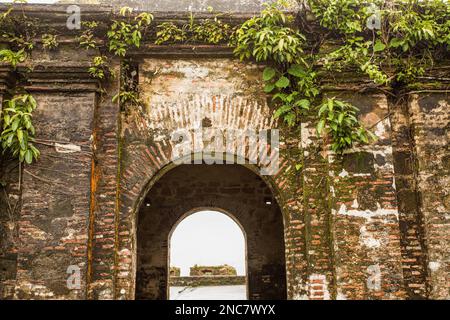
(296, 70)
(298, 167)
(283, 82)
(289, 118)
(268, 88)
(6, 119)
(279, 95)
(378, 46)
(330, 104)
(268, 73)
(320, 126)
(303, 103)
(395, 43)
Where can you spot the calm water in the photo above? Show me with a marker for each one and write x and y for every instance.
(208, 293)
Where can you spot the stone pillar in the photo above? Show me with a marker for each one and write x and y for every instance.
(290, 186)
(429, 119)
(104, 187)
(53, 222)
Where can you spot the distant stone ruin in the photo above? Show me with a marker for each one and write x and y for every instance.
(175, 272)
(223, 270)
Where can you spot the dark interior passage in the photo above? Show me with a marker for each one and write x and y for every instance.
(229, 188)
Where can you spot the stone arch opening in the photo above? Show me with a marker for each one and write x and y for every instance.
(202, 229)
(227, 188)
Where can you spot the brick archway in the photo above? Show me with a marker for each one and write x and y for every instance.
(231, 188)
(147, 152)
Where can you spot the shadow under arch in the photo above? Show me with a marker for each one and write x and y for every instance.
(268, 179)
(221, 211)
(268, 191)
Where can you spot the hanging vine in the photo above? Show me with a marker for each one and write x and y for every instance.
(377, 37)
(392, 42)
(18, 131)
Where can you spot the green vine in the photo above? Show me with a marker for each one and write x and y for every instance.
(49, 41)
(13, 58)
(210, 31)
(18, 132)
(393, 43)
(123, 34)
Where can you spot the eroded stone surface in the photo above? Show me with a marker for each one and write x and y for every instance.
(372, 224)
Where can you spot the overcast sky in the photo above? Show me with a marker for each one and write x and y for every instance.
(207, 238)
(34, 1)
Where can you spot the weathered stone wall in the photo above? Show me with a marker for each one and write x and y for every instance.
(9, 207)
(411, 226)
(221, 94)
(52, 225)
(222, 270)
(429, 118)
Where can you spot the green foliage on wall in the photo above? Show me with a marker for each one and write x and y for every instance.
(391, 42)
(209, 31)
(128, 31)
(17, 128)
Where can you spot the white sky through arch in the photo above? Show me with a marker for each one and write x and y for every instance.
(207, 238)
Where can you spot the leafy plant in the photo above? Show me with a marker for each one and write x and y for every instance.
(169, 32)
(407, 33)
(17, 42)
(339, 120)
(293, 93)
(211, 31)
(123, 34)
(87, 38)
(49, 41)
(18, 131)
(291, 78)
(13, 57)
(100, 68)
(17, 30)
(8, 12)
